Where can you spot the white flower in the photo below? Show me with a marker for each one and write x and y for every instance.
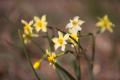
(60, 41)
(75, 24)
(40, 23)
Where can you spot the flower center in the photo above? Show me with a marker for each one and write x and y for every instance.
(27, 29)
(52, 57)
(75, 23)
(60, 41)
(40, 23)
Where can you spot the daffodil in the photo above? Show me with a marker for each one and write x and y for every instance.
(60, 41)
(28, 31)
(27, 27)
(37, 64)
(105, 23)
(75, 24)
(40, 23)
(51, 56)
(73, 39)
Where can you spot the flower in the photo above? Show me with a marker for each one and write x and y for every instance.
(27, 27)
(105, 23)
(40, 24)
(37, 64)
(75, 24)
(28, 31)
(73, 38)
(60, 41)
(51, 57)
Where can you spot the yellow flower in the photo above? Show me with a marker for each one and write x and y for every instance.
(75, 24)
(28, 31)
(37, 64)
(73, 39)
(40, 24)
(60, 41)
(27, 27)
(105, 23)
(51, 57)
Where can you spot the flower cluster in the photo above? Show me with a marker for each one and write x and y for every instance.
(74, 26)
(32, 28)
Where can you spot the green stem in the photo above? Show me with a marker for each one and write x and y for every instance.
(78, 57)
(93, 56)
(91, 62)
(66, 72)
(27, 55)
(56, 64)
(78, 65)
(38, 46)
(50, 43)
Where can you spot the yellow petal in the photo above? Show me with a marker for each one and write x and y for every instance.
(66, 36)
(31, 22)
(47, 52)
(36, 18)
(37, 64)
(55, 40)
(43, 18)
(60, 34)
(24, 22)
(44, 29)
(110, 29)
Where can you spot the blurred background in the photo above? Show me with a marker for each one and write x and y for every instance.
(13, 64)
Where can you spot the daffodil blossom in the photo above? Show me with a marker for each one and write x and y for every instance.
(27, 27)
(37, 64)
(105, 23)
(60, 41)
(51, 57)
(75, 24)
(74, 37)
(40, 23)
(28, 31)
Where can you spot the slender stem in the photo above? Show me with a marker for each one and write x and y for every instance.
(91, 62)
(56, 64)
(80, 47)
(93, 56)
(78, 64)
(66, 72)
(50, 43)
(38, 46)
(27, 55)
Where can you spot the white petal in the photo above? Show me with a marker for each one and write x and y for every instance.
(63, 48)
(81, 22)
(60, 34)
(36, 18)
(69, 25)
(76, 18)
(78, 28)
(24, 22)
(73, 30)
(31, 22)
(43, 18)
(55, 40)
(44, 29)
(56, 46)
